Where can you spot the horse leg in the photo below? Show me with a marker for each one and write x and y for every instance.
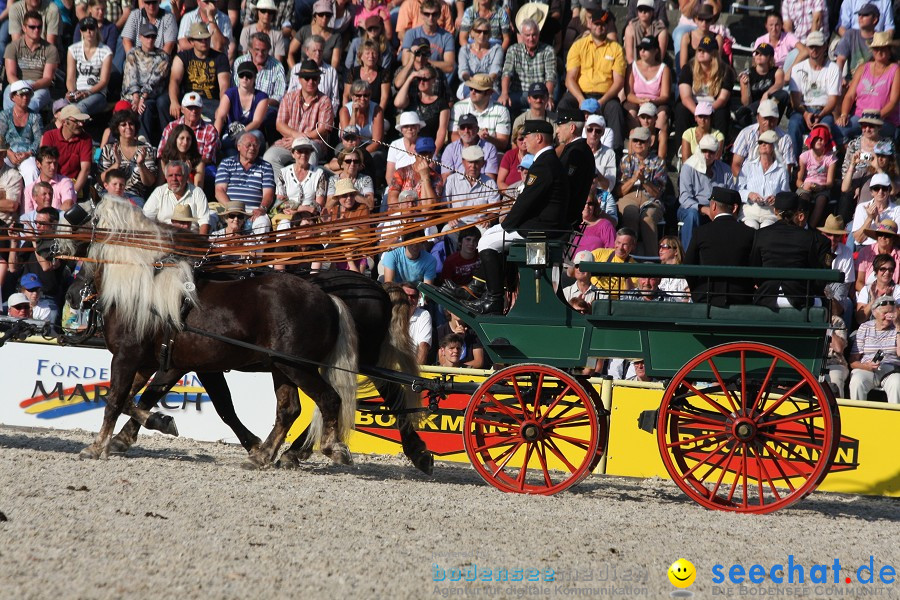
(325, 426)
(413, 446)
(217, 389)
(300, 450)
(123, 375)
(162, 383)
(286, 412)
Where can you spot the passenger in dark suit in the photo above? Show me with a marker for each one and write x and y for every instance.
(543, 205)
(786, 244)
(724, 241)
(577, 159)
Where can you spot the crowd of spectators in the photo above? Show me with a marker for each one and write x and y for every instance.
(236, 116)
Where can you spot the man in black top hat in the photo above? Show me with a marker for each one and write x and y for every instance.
(578, 160)
(786, 244)
(724, 241)
(543, 205)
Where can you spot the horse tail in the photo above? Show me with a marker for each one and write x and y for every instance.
(397, 349)
(344, 361)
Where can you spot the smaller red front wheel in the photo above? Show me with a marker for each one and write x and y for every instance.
(746, 427)
(532, 429)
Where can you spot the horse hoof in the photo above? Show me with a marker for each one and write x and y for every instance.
(118, 446)
(89, 453)
(340, 455)
(425, 462)
(288, 461)
(162, 423)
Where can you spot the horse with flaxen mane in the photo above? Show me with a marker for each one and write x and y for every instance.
(151, 305)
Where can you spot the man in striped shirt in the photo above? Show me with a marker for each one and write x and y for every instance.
(249, 179)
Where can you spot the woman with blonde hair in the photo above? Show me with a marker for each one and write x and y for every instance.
(671, 252)
(368, 69)
(707, 78)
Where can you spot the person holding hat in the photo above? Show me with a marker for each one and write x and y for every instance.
(815, 87)
(875, 86)
(471, 187)
(787, 49)
(699, 175)
(873, 353)
(435, 26)
(882, 206)
(421, 176)
(786, 243)
(759, 181)
(706, 15)
(177, 190)
(200, 69)
(645, 25)
(216, 27)
(642, 184)
(595, 68)
(145, 82)
(853, 48)
(528, 64)
(266, 12)
(763, 80)
(851, 8)
(577, 159)
(494, 124)
(150, 14)
(35, 58)
(707, 78)
(543, 205)
(746, 145)
(648, 83)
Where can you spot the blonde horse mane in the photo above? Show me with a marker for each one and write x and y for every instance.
(146, 297)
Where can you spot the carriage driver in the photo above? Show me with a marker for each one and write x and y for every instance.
(541, 206)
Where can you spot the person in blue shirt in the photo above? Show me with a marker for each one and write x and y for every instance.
(410, 263)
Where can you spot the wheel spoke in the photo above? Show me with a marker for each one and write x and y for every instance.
(777, 459)
(699, 419)
(535, 413)
(502, 440)
(798, 416)
(726, 458)
(503, 408)
(489, 423)
(708, 400)
(725, 391)
(555, 422)
(734, 484)
(712, 453)
(708, 436)
(520, 480)
(792, 440)
(743, 382)
(784, 397)
(508, 454)
(765, 385)
(559, 455)
(518, 394)
(762, 469)
(781, 444)
(581, 443)
(543, 459)
(744, 472)
(553, 404)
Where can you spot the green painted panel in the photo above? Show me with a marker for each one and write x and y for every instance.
(538, 343)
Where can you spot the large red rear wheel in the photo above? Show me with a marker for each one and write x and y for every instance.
(754, 442)
(533, 429)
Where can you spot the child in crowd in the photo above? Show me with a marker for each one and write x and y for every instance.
(815, 177)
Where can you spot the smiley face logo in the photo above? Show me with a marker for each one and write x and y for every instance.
(682, 573)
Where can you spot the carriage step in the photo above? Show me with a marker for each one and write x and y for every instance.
(648, 419)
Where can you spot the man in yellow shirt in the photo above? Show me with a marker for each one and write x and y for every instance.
(626, 239)
(595, 68)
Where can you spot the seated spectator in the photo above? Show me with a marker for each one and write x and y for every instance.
(204, 132)
(803, 16)
(266, 25)
(33, 59)
(347, 204)
(461, 265)
(114, 184)
(582, 289)
(762, 81)
(689, 45)
(237, 226)
(599, 219)
(351, 162)
(371, 15)
(379, 32)
(884, 284)
(759, 181)
(470, 187)
(198, 69)
(412, 15)
(11, 187)
(36, 266)
(269, 79)
(468, 137)
(62, 189)
(21, 128)
(350, 142)
(642, 185)
(611, 286)
(331, 41)
(647, 290)
(178, 190)
(182, 218)
(875, 86)
(854, 7)
(879, 208)
(707, 78)
(249, 179)
(645, 26)
(854, 48)
(815, 87)
(402, 151)
(494, 125)
(692, 136)
(410, 263)
(493, 17)
(527, 64)
(18, 306)
(136, 158)
(434, 29)
(815, 178)
(835, 231)
(242, 108)
(648, 82)
(420, 327)
(508, 173)
(150, 14)
(302, 181)
(181, 144)
(699, 175)
(367, 68)
(216, 24)
(41, 197)
(450, 351)
(89, 64)
(302, 113)
(788, 50)
(876, 339)
(671, 252)
(420, 177)
(595, 68)
(420, 92)
(648, 116)
(42, 309)
(74, 146)
(145, 82)
(746, 145)
(368, 118)
(472, 354)
(539, 101)
(328, 83)
(886, 240)
(480, 55)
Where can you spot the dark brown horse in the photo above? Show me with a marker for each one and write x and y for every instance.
(148, 298)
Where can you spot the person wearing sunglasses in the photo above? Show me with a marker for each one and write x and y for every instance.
(882, 284)
(351, 164)
(146, 83)
(89, 66)
(199, 69)
(440, 40)
(331, 40)
(884, 235)
(152, 14)
(479, 56)
(412, 15)
(243, 108)
(217, 23)
(266, 11)
(873, 353)
(495, 21)
(31, 59)
(374, 18)
(372, 30)
(689, 44)
(869, 214)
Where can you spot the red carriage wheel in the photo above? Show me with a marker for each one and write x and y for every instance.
(532, 429)
(754, 442)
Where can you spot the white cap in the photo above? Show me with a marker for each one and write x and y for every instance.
(17, 299)
(708, 142)
(880, 179)
(703, 108)
(583, 256)
(768, 109)
(20, 85)
(649, 3)
(409, 117)
(473, 153)
(649, 109)
(596, 120)
(192, 99)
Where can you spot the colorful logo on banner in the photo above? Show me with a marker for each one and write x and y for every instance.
(59, 401)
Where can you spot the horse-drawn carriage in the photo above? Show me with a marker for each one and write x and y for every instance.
(744, 424)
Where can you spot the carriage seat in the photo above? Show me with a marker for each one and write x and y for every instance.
(675, 312)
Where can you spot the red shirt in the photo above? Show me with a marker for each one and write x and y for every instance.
(459, 270)
(71, 153)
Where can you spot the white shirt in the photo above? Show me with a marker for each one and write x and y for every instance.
(859, 217)
(495, 118)
(420, 327)
(816, 85)
(605, 162)
(398, 155)
(161, 204)
(304, 191)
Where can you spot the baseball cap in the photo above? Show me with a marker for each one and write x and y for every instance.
(425, 145)
(640, 133)
(17, 299)
(538, 89)
(192, 99)
(526, 161)
(708, 142)
(149, 30)
(765, 49)
(349, 132)
(882, 179)
(816, 38)
(596, 120)
(467, 119)
(584, 255)
(30, 281)
(883, 301)
(73, 112)
(59, 105)
(708, 43)
(649, 109)
(869, 9)
(648, 42)
(20, 85)
(703, 109)
(247, 68)
(323, 6)
(768, 109)
(420, 43)
(768, 137)
(590, 105)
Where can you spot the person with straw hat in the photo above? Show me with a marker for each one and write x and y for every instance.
(873, 88)
(183, 218)
(836, 232)
(885, 239)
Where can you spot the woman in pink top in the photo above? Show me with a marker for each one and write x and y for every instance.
(785, 44)
(648, 80)
(815, 177)
(377, 9)
(875, 86)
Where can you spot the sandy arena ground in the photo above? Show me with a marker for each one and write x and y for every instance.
(182, 519)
